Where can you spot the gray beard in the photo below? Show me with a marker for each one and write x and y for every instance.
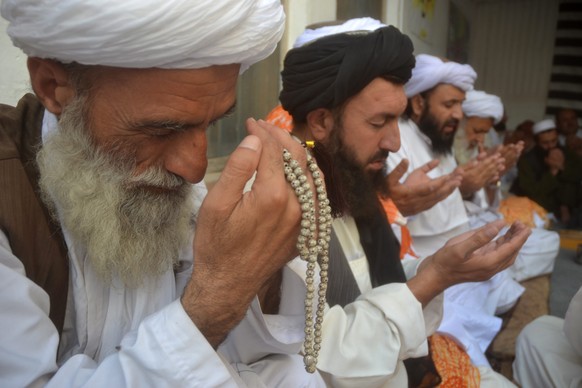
(129, 231)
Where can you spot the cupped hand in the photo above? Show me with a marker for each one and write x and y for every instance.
(481, 171)
(419, 192)
(470, 257)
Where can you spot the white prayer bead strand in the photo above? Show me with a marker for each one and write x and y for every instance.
(311, 249)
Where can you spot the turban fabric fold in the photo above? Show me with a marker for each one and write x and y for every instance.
(173, 34)
(480, 104)
(326, 72)
(431, 71)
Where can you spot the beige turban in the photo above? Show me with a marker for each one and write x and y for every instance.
(481, 104)
(431, 71)
(170, 34)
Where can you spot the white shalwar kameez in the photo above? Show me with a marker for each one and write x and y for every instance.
(365, 342)
(469, 308)
(549, 350)
(116, 337)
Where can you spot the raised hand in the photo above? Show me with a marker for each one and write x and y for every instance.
(510, 153)
(470, 257)
(243, 239)
(419, 192)
(481, 171)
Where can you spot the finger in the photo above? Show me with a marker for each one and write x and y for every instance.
(507, 251)
(430, 165)
(286, 141)
(398, 172)
(270, 166)
(470, 242)
(239, 168)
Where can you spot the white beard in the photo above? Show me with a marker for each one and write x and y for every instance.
(129, 230)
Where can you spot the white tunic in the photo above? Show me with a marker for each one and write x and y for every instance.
(433, 227)
(469, 307)
(365, 342)
(142, 337)
(549, 350)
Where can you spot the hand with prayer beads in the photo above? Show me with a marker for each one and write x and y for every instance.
(419, 192)
(470, 257)
(243, 239)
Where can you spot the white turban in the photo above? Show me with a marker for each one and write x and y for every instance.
(543, 126)
(358, 24)
(481, 104)
(170, 34)
(431, 71)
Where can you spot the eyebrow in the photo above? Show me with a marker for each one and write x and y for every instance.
(181, 126)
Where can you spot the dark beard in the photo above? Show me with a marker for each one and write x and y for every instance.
(351, 189)
(442, 144)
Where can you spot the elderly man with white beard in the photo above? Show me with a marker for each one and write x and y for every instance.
(481, 111)
(103, 283)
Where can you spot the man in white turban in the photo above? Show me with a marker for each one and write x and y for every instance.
(103, 283)
(435, 94)
(482, 111)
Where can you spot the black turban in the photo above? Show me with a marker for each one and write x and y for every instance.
(326, 72)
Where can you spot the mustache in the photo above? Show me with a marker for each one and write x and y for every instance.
(382, 154)
(156, 177)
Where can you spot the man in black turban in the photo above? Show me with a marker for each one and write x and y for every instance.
(345, 92)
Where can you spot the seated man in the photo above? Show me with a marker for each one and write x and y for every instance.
(435, 94)
(381, 311)
(569, 131)
(481, 111)
(101, 196)
(549, 350)
(551, 176)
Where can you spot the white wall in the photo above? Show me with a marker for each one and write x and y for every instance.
(511, 48)
(436, 42)
(301, 13)
(14, 80)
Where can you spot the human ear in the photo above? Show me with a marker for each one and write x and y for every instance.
(418, 104)
(50, 83)
(320, 123)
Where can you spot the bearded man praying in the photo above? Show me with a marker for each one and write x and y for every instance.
(103, 281)
(344, 88)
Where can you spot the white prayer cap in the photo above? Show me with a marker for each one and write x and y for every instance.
(431, 71)
(543, 126)
(480, 104)
(358, 24)
(170, 34)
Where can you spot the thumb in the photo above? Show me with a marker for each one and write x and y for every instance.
(398, 172)
(239, 168)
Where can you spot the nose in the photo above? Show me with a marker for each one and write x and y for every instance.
(391, 139)
(457, 112)
(185, 155)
